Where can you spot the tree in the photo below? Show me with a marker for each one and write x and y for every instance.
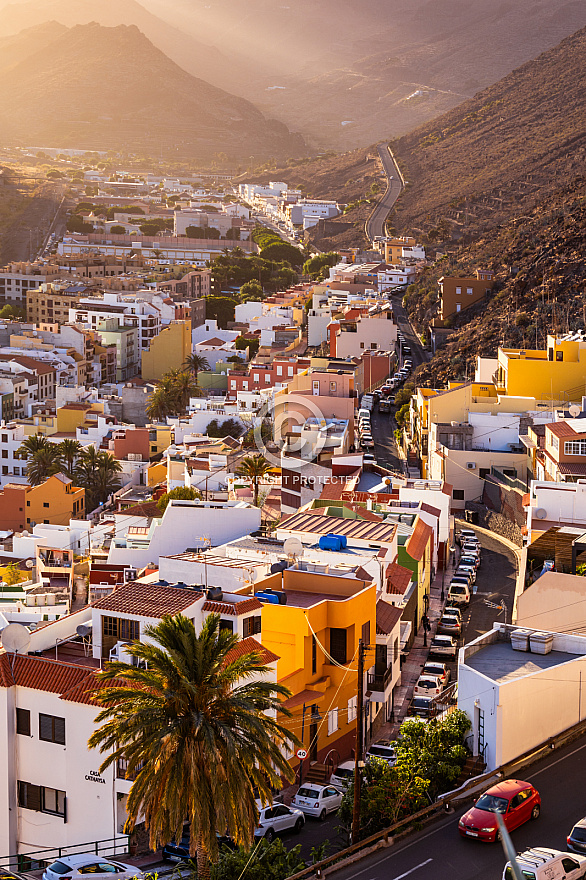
(251, 291)
(76, 223)
(118, 230)
(43, 464)
(196, 362)
(282, 251)
(194, 726)
(69, 451)
(220, 308)
(97, 473)
(254, 467)
(159, 406)
(270, 861)
(13, 574)
(315, 266)
(228, 428)
(185, 493)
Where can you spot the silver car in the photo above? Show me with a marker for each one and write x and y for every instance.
(76, 867)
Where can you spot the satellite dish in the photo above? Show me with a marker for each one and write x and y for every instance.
(575, 410)
(15, 637)
(30, 563)
(83, 630)
(541, 513)
(293, 547)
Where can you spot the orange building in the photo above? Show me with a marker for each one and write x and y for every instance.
(55, 501)
(456, 294)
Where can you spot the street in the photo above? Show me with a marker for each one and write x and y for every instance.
(440, 853)
(375, 224)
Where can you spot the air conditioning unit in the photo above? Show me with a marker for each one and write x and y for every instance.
(471, 465)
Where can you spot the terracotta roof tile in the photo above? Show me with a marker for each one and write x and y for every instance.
(562, 429)
(40, 673)
(247, 646)
(429, 509)
(148, 600)
(363, 575)
(419, 539)
(234, 608)
(387, 617)
(398, 578)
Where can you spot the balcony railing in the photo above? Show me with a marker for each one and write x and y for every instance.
(379, 681)
(121, 770)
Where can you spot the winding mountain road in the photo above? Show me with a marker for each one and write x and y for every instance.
(376, 222)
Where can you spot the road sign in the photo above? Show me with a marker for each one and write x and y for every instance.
(301, 754)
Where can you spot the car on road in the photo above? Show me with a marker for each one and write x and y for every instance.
(422, 707)
(368, 458)
(438, 670)
(317, 800)
(449, 626)
(516, 801)
(576, 840)
(427, 686)
(367, 442)
(101, 868)
(384, 405)
(463, 576)
(543, 863)
(468, 570)
(443, 646)
(343, 775)
(459, 593)
(277, 818)
(383, 749)
(465, 534)
(473, 561)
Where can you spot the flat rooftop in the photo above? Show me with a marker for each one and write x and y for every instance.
(308, 600)
(501, 663)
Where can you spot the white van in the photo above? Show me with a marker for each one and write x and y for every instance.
(543, 863)
(459, 593)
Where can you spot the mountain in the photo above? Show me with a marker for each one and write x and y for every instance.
(95, 87)
(540, 274)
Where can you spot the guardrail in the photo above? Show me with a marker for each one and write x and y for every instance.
(443, 803)
(30, 861)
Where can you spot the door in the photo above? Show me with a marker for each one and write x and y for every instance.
(331, 799)
(514, 816)
(571, 868)
(313, 734)
(284, 818)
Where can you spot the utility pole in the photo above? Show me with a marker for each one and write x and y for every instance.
(359, 744)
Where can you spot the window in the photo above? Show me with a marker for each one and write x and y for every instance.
(352, 709)
(396, 650)
(366, 633)
(4, 470)
(45, 503)
(17, 473)
(362, 345)
(41, 799)
(333, 386)
(227, 624)
(374, 344)
(52, 729)
(251, 626)
(332, 721)
(338, 644)
(23, 722)
(4, 453)
(289, 371)
(458, 307)
(458, 494)
(483, 473)
(469, 291)
(575, 447)
(555, 443)
(570, 865)
(313, 655)
(279, 370)
(559, 355)
(255, 377)
(120, 628)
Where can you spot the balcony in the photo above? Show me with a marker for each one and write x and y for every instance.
(121, 770)
(378, 682)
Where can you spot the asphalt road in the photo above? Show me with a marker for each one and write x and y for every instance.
(439, 853)
(375, 225)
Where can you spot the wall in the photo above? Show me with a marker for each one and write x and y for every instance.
(555, 601)
(169, 350)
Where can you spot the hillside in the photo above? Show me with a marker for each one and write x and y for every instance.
(540, 272)
(94, 87)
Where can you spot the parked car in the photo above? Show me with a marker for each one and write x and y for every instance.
(516, 801)
(438, 670)
(443, 646)
(468, 570)
(179, 852)
(315, 800)
(464, 534)
(367, 442)
(89, 863)
(471, 560)
(543, 863)
(385, 750)
(384, 405)
(427, 686)
(368, 458)
(277, 818)
(471, 549)
(449, 626)
(459, 593)
(343, 775)
(577, 837)
(422, 707)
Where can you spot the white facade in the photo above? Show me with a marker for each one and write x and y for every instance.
(210, 330)
(517, 700)
(556, 504)
(371, 333)
(13, 469)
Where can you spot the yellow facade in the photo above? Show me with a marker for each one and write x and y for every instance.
(556, 373)
(156, 473)
(55, 501)
(300, 633)
(167, 351)
(160, 437)
(72, 416)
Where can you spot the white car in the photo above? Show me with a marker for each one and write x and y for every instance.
(428, 686)
(384, 750)
(90, 863)
(438, 670)
(343, 775)
(277, 818)
(316, 800)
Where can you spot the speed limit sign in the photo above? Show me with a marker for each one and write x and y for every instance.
(301, 754)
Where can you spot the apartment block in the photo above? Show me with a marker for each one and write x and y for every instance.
(458, 293)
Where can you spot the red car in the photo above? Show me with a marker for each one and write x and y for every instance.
(516, 801)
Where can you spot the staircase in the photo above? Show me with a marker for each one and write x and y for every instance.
(473, 766)
(318, 773)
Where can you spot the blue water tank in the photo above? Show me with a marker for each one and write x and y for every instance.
(333, 542)
(269, 597)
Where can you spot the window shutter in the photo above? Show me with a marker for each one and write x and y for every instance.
(23, 722)
(257, 624)
(338, 644)
(60, 731)
(46, 728)
(247, 627)
(366, 633)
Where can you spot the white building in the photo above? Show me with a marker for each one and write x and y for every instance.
(133, 311)
(517, 699)
(351, 339)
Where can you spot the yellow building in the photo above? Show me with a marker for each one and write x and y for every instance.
(167, 351)
(72, 416)
(55, 501)
(160, 437)
(156, 473)
(316, 635)
(556, 373)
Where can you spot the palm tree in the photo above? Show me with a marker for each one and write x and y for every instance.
(33, 444)
(69, 451)
(43, 464)
(159, 405)
(193, 726)
(196, 363)
(254, 467)
(97, 473)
